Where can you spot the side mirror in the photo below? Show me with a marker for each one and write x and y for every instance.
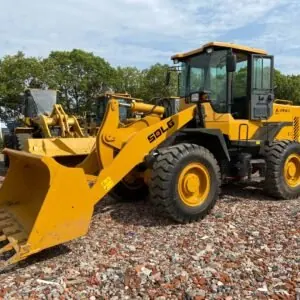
(231, 62)
(168, 76)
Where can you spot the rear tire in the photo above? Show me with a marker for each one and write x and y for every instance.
(185, 182)
(283, 170)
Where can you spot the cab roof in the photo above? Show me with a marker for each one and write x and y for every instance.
(221, 45)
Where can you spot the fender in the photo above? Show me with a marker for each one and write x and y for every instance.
(210, 138)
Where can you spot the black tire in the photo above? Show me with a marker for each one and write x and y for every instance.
(276, 155)
(9, 142)
(6, 160)
(14, 141)
(163, 184)
(125, 192)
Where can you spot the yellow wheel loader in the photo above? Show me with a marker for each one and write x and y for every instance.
(45, 128)
(66, 138)
(93, 118)
(226, 124)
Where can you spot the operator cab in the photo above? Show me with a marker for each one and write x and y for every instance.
(235, 79)
(36, 102)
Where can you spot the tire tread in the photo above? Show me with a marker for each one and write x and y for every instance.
(161, 177)
(274, 185)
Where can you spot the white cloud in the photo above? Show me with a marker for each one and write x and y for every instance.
(142, 32)
(290, 64)
(281, 36)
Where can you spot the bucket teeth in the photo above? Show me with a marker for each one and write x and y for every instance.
(12, 237)
(3, 217)
(5, 225)
(13, 229)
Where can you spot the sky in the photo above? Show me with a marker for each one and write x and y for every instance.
(142, 32)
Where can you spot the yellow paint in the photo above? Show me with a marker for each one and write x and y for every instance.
(129, 157)
(194, 184)
(66, 144)
(50, 205)
(53, 203)
(292, 170)
(120, 137)
(219, 44)
(68, 125)
(285, 113)
(107, 184)
(144, 107)
(237, 129)
(113, 95)
(60, 146)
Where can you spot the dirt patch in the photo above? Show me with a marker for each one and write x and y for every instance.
(247, 248)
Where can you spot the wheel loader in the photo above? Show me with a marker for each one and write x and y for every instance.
(94, 117)
(56, 134)
(45, 128)
(225, 124)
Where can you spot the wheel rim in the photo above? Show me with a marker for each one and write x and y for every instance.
(194, 184)
(292, 170)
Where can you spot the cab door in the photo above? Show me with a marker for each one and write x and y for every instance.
(261, 87)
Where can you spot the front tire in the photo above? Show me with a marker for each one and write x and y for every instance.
(283, 170)
(185, 182)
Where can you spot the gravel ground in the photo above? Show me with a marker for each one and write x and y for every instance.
(247, 248)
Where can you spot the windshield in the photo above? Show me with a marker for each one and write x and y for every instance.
(206, 72)
(44, 100)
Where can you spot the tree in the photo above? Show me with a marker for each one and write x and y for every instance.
(17, 72)
(79, 76)
(153, 82)
(127, 80)
(287, 87)
(146, 83)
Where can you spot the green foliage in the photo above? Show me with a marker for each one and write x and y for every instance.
(153, 82)
(287, 87)
(16, 73)
(128, 80)
(147, 83)
(240, 79)
(79, 76)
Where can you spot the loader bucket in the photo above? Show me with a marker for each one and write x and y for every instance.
(42, 204)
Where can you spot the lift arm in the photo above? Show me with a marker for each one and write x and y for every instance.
(138, 145)
(52, 203)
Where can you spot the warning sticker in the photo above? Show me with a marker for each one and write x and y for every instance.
(107, 183)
